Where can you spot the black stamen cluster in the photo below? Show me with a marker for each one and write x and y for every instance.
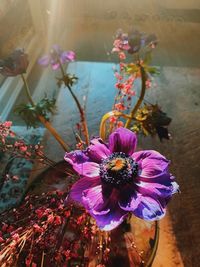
(121, 177)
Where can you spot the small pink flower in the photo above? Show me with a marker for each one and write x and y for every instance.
(132, 93)
(120, 106)
(28, 154)
(39, 213)
(37, 228)
(8, 124)
(120, 124)
(15, 178)
(122, 55)
(122, 66)
(28, 260)
(119, 85)
(113, 119)
(50, 218)
(148, 84)
(67, 254)
(57, 220)
(67, 213)
(53, 200)
(12, 134)
(80, 219)
(23, 148)
(118, 76)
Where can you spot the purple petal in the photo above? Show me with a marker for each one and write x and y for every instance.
(82, 164)
(159, 192)
(128, 200)
(104, 210)
(144, 207)
(110, 220)
(84, 183)
(44, 61)
(67, 56)
(149, 209)
(55, 66)
(153, 167)
(123, 140)
(94, 200)
(89, 169)
(76, 157)
(98, 150)
(154, 190)
(141, 155)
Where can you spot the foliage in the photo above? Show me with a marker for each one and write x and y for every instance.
(30, 113)
(67, 80)
(151, 120)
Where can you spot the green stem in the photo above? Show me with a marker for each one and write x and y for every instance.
(81, 111)
(46, 123)
(61, 67)
(27, 90)
(139, 102)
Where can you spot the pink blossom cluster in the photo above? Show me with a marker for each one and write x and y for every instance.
(125, 80)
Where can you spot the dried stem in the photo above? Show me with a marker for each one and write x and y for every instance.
(102, 132)
(46, 123)
(139, 102)
(42, 261)
(81, 110)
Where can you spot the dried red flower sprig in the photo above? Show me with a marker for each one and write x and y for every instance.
(45, 232)
(16, 146)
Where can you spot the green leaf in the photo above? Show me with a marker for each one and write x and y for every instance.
(132, 68)
(30, 113)
(152, 70)
(68, 80)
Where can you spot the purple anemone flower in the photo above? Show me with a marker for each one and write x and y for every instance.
(15, 64)
(56, 57)
(115, 180)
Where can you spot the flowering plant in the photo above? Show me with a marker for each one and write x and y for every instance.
(56, 57)
(108, 180)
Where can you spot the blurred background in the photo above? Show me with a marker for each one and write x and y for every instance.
(88, 27)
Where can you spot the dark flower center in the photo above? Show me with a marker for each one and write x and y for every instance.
(118, 169)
